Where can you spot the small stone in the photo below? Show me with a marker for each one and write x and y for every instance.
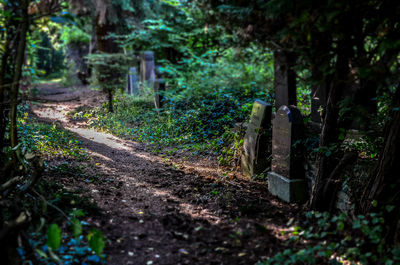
(183, 251)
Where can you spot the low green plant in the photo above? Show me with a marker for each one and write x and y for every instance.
(338, 238)
(47, 139)
(75, 35)
(230, 153)
(77, 244)
(206, 96)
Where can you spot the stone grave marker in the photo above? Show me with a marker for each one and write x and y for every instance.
(147, 75)
(256, 146)
(133, 82)
(159, 89)
(287, 178)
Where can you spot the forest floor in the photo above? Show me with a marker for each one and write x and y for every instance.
(155, 209)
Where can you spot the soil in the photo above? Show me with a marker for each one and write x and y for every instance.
(154, 209)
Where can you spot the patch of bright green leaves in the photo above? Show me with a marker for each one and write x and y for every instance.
(74, 243)
(48, 139)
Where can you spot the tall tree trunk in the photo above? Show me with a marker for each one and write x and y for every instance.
(383, 186)
(18, 71)
(8, 249)
(284, 79)
(107, 45)
(329, 135)
(3, 119)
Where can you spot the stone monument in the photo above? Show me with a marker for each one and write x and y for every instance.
(287, 176)
(133, 82)
(256, 146)
(147, 75)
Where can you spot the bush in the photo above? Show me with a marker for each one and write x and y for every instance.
(339, 239)
(206, 96)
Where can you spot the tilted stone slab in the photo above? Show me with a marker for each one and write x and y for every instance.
(256, 146)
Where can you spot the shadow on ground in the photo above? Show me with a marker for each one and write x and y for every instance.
(152, 211)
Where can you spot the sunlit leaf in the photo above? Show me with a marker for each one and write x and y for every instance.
(96, 241)
(54, 236)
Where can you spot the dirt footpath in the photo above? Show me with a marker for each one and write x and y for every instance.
(173, 211)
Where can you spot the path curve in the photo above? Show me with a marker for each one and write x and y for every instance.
(159, 211)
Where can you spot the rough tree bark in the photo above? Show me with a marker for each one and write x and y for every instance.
(105, 44)
(8, 249)
(383, 186)
(18, 71)
(329, 135)
(3, 119)
(284, 79)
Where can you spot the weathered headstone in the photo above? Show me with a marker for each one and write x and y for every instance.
(256, 146)
(133, 82)
(147, 75)
(159, 89)
(287, 178)
(284, 79)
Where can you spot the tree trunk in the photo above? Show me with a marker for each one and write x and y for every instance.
(8, 249)
(3, 119)
(329, 135)
(18, 71)
(284, 79)
(107, 45)
(383, 186)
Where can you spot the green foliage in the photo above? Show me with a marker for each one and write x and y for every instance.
(230, 153)
(69, 77)
(173, 29)
(75, 35)
(96, 241)
(339, 238)
(57, 237)
(54, 237)
(49, 59)
(48, 139)
(207, 95)
(76, 227)
(62, 247)
(110, 70)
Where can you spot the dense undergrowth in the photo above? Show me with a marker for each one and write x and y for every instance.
(205, 97)
(323, 238)
(56, 233)
(200, 112)
(48, 139)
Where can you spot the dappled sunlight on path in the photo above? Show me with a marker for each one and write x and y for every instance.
(171, 211)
